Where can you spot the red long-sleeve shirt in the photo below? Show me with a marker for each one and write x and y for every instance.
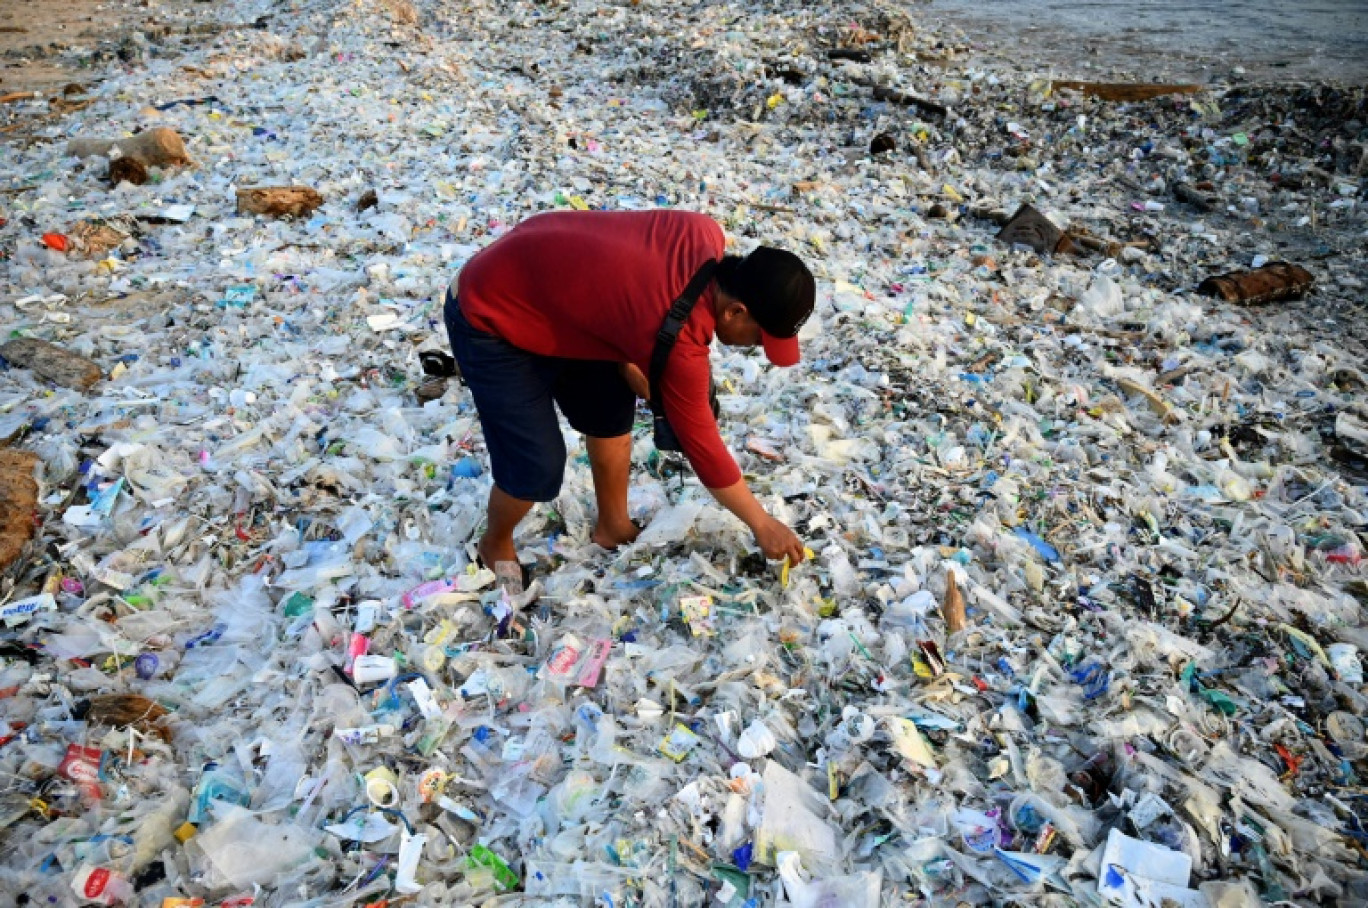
(596, 285)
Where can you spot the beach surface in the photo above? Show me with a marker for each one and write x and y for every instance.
(1076, 523)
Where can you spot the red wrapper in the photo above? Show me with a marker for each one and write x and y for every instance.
(82, 766)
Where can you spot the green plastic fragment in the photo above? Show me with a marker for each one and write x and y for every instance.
(298, 604)
(1219, 700)
(480, 856)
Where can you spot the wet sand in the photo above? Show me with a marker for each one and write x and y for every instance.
(1262, 41)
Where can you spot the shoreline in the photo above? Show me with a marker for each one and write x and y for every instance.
(1154, 43)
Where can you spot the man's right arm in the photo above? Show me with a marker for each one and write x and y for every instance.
(685, 396)
(775, 539)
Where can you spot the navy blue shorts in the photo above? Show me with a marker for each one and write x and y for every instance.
(516, 394)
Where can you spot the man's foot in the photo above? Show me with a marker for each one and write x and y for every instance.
(614, 535)
(491, 552)
(503, 561)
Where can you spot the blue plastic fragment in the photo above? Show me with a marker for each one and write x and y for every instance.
(1094, 678)
(1047, 551)
(466, 468)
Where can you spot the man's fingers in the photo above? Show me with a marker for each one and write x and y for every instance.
(792, 547)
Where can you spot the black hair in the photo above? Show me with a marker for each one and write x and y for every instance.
(776, 287)
(726, 274)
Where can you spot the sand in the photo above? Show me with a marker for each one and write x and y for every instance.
(45, 46)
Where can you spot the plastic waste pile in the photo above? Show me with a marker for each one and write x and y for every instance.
(1084, 620)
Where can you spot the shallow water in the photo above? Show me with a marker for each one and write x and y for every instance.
(1197, 39)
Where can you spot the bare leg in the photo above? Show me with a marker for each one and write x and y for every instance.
(610, 460)
(505, 512)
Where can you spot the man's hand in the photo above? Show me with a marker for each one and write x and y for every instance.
(775, 540)
(778, 541)
(635, 380)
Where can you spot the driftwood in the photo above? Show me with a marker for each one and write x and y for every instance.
(1193, 196)
(952, 609)
(278, 201)
(129, 711)
(48, 361)
(990, 213)
(852, 54)
(160, 147)
(402, 12)
(1160, 406)
(18, 501)
(127, 170)
(1124, 91)
(1270, 284)
(893, 96)
(1083, 240)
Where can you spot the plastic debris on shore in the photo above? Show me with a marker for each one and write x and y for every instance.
(1085, 616)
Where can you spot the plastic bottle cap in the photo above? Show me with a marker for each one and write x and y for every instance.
(146, 666)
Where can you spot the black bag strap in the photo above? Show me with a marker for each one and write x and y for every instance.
(679, 313)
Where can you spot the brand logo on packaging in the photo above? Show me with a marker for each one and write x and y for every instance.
(96, 882)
